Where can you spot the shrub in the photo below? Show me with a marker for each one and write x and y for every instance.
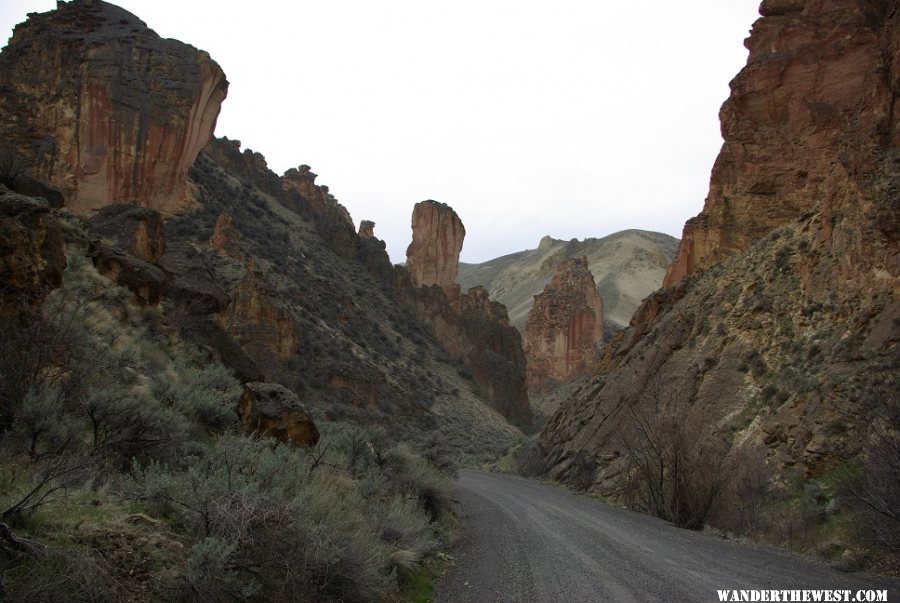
(674, 462)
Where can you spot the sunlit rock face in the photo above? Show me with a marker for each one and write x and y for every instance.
(433, 256)
(99, 105)
(813, 108)
(565, 326)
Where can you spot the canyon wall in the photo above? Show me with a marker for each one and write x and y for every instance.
(82, 106)
(814, 106)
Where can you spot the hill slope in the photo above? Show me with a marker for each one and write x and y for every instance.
(627, 266)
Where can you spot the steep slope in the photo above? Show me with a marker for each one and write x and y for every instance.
(776, 348)
(627, 265)
(266, 272)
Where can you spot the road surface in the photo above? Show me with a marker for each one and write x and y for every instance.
(527, 541)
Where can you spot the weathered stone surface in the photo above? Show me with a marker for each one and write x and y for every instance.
(259, 320)
(366, 229)
(145, 280)
(818, 94)
(190, 280)
(138, 231)
(333, 221)
(103, 108)
(273, 411)
(476, 331)
(564, 327)
(32, 250)
(433, 256)
(226, 237)
(29, 186)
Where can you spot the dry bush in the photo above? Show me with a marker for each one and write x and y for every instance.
(674, 461)
(873, 490)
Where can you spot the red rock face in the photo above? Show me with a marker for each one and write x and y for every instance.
(105, 109)
(433, 256)
(818, 95)
(564, 326)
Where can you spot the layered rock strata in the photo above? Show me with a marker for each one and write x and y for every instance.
(814, 106)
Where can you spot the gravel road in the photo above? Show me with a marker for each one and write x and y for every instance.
(527, 541)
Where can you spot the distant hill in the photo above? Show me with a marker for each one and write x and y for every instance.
(627, 267)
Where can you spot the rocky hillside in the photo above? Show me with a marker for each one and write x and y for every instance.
(627, 266)
(769, 364)
(266, 272)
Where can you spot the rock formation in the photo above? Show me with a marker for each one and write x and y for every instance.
(366, 229)
(629, 266)
(136, 230)
(433, 256)
(259, 320)
(473, 329)
(32, 250)
(272, 410)
(782, 308)
(816, 103)
(81, 103)
(564, 327)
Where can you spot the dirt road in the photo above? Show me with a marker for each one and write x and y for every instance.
(526, 541)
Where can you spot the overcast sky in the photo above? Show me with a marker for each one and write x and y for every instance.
(570, 118)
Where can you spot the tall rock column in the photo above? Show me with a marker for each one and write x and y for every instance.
(105, 109)
(564, 326)
(470, 326)
(433, 256)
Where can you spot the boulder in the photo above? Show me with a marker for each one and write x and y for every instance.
(138, 231)
(272, 410)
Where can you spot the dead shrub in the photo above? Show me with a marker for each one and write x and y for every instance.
(674, 460)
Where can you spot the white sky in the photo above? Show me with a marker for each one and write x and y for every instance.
(575, 118)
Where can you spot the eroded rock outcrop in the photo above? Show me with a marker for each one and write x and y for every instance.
(433, 256)
(32, 250)
(564, 327)
(472, 328)
(272, 410)
(138, 231)
(102, 107)
(814, 106)
(259, 320)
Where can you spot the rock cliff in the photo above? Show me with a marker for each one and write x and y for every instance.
(564, 327)
(433, 256)
(473, 329)
(81, 104)
(781, 315)
(813, 108)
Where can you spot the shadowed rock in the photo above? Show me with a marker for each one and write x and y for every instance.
(273, 411)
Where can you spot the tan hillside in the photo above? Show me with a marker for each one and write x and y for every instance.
(627, 266)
